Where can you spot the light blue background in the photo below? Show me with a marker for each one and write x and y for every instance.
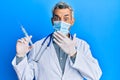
(97, 22)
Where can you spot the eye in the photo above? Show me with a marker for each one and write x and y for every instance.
(66, 19)
(56, 18)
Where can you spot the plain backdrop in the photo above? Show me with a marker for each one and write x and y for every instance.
(96, 21)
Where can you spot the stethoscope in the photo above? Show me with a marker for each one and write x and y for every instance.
(38, 56)
(41, 51)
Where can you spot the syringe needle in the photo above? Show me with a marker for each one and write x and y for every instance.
(26, 34)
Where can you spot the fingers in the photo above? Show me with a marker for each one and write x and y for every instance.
(61, 34)
(56, 34)
(57, 37)
(61, 38)
(25, 40)
(57, 42)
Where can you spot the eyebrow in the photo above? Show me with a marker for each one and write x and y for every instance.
(66, 15)
(56, 15)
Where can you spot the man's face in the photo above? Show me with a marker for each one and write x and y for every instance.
(63, 15)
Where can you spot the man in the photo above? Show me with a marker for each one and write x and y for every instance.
(59, 56)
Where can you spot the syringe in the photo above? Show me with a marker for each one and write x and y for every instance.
(26, 34)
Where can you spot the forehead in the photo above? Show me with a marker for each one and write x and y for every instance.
(62, 12)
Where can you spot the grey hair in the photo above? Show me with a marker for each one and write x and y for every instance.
(63, 5)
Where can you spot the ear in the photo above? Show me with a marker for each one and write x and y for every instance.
(72, 21)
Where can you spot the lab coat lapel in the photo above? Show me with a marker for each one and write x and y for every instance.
(54, 56)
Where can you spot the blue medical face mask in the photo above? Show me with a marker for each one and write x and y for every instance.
(61, 26)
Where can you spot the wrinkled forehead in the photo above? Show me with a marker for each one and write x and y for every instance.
(62, 12)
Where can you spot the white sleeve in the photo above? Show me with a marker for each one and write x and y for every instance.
(24, 70)
(27, 68)
(86, 64)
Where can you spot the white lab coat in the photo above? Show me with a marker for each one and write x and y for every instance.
(48, 67)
